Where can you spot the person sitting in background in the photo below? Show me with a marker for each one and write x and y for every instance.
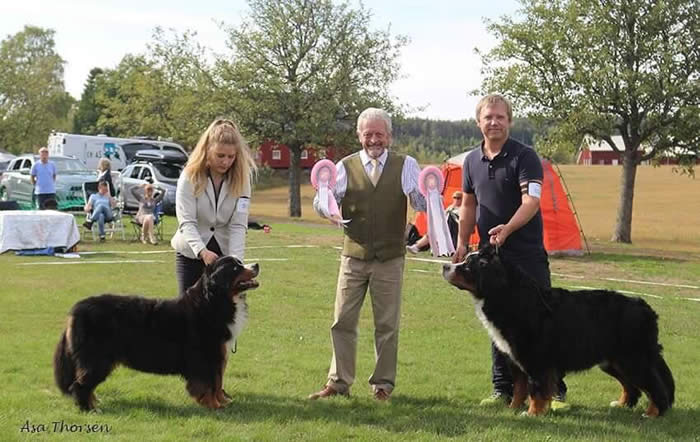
(104, 173)
(452, 215)
(146, 215)
(99, 208)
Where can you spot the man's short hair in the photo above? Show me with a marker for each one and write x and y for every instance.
(44, 149)
(493, 99)
(373, 113)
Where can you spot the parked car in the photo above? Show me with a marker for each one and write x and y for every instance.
(5, 159)
(160, 168)
(176, 152)
(71, 173)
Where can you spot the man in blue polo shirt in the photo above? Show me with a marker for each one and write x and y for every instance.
(502, 184)
(43, 175)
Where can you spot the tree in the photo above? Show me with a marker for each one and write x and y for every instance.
(33, 100)
(170, 91)
(601, 67)
(303, 70)
(88, 111)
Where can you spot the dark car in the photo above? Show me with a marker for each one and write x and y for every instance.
(132, 149)
(160, 168)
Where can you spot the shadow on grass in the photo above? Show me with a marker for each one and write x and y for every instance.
(408, 414)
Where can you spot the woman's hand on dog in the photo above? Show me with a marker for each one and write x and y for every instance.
(207, 256)
(460, 254)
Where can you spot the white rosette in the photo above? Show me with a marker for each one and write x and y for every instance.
(430, 183)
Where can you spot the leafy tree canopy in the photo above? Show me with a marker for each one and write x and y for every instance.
(304, 70)
(33, 100)
(605, 67)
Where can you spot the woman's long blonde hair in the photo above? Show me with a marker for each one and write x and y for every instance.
(221, 131)
(104, 164)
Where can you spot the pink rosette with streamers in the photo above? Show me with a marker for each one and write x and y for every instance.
(323, 176)
(430, 184)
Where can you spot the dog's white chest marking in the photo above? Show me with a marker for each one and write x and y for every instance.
(494, 332)
(239, 321)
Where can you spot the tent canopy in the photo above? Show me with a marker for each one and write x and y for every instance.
(561, 231)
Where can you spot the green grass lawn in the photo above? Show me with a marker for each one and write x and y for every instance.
(284, 352)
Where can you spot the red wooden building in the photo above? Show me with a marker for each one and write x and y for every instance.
(278, 156)
(592, 152)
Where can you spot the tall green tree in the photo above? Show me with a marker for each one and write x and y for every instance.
(33, 100)
(169, 91)
(605, 67)
(88, 111)
(302, 70)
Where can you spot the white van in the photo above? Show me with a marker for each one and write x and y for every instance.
(90, 148)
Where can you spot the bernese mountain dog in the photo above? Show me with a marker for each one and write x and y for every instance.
(190, 336)
(547, 333)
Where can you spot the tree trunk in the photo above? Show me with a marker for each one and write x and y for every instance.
(623, 225)
(294, 181)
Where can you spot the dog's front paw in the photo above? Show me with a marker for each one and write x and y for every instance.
(223, 398)
(210, 401)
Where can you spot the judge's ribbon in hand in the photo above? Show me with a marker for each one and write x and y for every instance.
(323, 180)
(431, 183)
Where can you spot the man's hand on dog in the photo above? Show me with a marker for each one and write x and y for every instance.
(498, 235)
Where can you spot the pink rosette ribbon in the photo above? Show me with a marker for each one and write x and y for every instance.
(430, 184)
(323, 176)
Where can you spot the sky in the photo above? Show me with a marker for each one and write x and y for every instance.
(439, 66)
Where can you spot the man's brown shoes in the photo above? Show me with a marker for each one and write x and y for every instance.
(327, 392)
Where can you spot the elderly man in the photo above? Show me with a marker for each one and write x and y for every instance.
(373, 188)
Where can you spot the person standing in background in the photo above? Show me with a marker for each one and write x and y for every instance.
(43, 175)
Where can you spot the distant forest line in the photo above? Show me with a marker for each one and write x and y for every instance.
(433, 141)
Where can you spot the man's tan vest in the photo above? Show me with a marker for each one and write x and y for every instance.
(378, 213)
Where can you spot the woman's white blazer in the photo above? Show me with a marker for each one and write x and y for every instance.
(201, 217)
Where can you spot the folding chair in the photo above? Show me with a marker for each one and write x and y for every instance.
(157, 224)
(111, 227)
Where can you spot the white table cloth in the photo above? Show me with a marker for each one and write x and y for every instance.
(37, 229)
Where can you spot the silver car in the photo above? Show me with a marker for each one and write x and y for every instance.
(162, 174)
(71, 173)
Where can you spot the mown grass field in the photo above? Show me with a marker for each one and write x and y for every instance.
(283, 354)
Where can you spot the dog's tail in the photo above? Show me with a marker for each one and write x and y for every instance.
(63, 364)
(667, 378)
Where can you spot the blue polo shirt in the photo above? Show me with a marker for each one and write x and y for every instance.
(44, 174)
(496, 185)
(97, 200)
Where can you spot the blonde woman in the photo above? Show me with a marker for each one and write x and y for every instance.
(104, 173)
(212, 201)
(146, 215)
